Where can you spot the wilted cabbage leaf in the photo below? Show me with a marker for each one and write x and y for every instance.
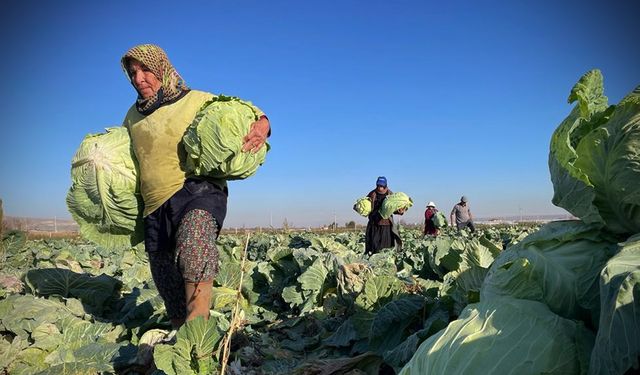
(104, 198)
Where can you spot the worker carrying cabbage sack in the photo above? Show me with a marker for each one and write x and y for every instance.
(363, 206)
(395, 203)
(214, 140)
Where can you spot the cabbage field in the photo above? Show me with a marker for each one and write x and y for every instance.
(562, 298)
(311, 303)
(314, 304)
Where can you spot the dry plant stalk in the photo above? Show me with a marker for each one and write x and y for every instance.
(1, 219)
(235, 320)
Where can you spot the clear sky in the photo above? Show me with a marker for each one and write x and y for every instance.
(443, 98)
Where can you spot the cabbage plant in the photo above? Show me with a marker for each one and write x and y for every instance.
(558, 265)
(594, 158)
(617, 347)
(506, 336)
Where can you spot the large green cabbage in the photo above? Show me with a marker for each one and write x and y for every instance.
(559, 265)
(363, 206)
(214, 140)
(505, 336)
(595, 158)
(617, 346)
(440, 220)
(394, 202)
(104, 198)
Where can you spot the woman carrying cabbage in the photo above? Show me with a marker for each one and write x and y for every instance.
(183, 214)
(430, 228)
(379, 233)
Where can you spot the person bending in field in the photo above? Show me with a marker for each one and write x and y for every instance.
(379, 233)
(462, 215)
(183, 214)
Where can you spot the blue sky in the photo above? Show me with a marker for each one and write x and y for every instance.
(442, 99)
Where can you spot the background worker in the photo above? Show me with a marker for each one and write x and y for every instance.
(379, 234)
(430, 228)
(461, 215)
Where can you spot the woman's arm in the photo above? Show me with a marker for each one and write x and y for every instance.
(257, 136)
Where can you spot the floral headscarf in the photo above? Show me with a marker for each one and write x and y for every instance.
(154, 58)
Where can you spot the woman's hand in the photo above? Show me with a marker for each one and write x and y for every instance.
(257, 135)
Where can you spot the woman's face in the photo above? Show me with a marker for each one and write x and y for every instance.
(143, 79)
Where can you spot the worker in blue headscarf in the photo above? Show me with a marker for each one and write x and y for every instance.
(379, 234)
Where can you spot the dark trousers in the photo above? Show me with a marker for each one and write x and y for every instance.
(378, 237)
(161, 227)
(466, 224)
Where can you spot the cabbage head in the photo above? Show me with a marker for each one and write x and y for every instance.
(558, 265)
(104, 198)
(594, 158)
(213, 141)
(439, 220)
(505, 336)
(363, 206)
(394, 202)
